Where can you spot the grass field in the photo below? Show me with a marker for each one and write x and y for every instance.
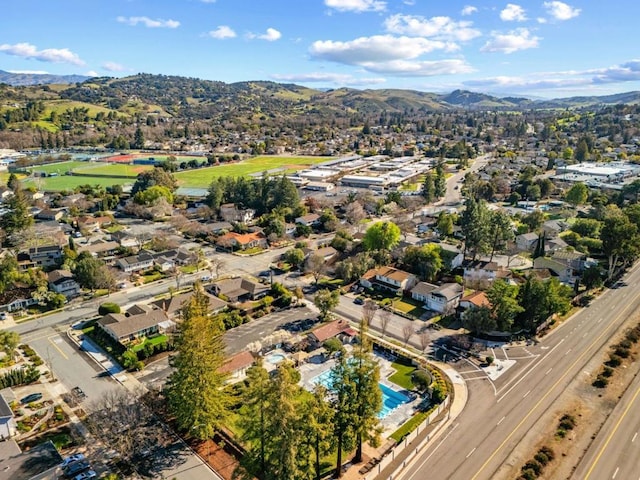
(202, 177)
(120, 169)
(68, 182)
(59, 167)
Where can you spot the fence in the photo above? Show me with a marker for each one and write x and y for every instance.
(406, 443)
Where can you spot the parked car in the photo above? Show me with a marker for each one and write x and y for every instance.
(34, 397)
(86, 475)
(358, 301)
(78, 391)
(76, 457)
(73, 469)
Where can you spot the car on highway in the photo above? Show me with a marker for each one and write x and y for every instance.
(75, 468)
(34, 397)
(76, 457)
(86, 475)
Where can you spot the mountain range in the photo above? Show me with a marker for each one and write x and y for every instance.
(25, 79)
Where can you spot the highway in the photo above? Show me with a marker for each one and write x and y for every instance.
(498, 427)
(615, 452)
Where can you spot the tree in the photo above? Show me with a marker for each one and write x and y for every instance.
(317, 418)
(385, 318)
(444, 224)
(501, 230)
(108, 307)
(381, 236)
(151, 195)
(195, 393)
(343, 387)
(478, 320)
(17, 218)
(425, 261)
(534, 220)
(592, 277)
(582, 151)
(138, 138)
(577, 194)
(92, 273)
(620, 241)
(158, 176)
(440, 182)
(354, 213)
(476, 227)
(9, 341)
(504, 304)
(254, 419)
(294, 257)
(429, 188)
(316, 266)
(12, 182)
(326, 300)
(407, 333)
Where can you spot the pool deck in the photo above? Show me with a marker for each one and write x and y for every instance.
(317, 365)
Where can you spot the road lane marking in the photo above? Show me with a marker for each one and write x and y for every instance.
(548, 371)
(501, 420)
(634, 437)
(550, 390)
(57, 347)
(567, 352)
(471, 452)
(606, 443)
(528, 392)
(434, 451)
(616, 472)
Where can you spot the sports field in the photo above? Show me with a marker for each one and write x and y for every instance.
(60, 167)
(202, 177)
(69, 182)
(106, 169)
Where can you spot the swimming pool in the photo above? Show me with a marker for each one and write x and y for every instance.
(275, 358)
(391, 399)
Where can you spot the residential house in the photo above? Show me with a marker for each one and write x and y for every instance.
(44, 257)
(339, 329)
(93, 224)
(100, 248)
(242, 241)
(328, 254)
(219, 227)
(452, 256)
(239, 289)
(7, 423)
(526, 242)
(475, 299)
(309, 220)
(136, 263)
(48, 214)
(125, 240)
(236, 366)
(554, 244)
(125, 329)
(389, 278)
(173, 305)
(17, 298)
(480, 271)
(230, 213)
(33, 196)
(62, 281)
(290, 229)
(564, 272)
(441, 299)
(553, 228)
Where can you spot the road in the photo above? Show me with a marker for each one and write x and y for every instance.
(615, 452)
(504, 418)
(454, 195)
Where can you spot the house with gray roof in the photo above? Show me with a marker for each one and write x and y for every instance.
(124, 328)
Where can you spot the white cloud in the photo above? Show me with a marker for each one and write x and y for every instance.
(324, 77)
(513, 41)
(30, 72)
(468, 10)
(626, 72)
(541, 20)
(222, 32)
(513, 13)
(427, 68)
(149, 22)
(561, 11)
(53, 55)
(271, 35)
(92, 73)
(442, 28)
(356, 5)
(378, 48)
(208, 1)
(113, 67)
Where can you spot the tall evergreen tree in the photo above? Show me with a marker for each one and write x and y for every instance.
(316, 421)
(253, 419)
(18, 217)
(440, 182)
(429, 188)
(475, 227)
(195, 391)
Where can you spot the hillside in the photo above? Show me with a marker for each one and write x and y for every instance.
(25, 79)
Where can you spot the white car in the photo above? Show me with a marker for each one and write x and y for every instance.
(72, 458)
(85, 475)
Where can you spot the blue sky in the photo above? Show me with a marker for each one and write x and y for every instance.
(530, 48)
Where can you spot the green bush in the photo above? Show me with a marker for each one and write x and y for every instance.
(614, 361)
(108, 307)
(567, 422)
(600, 382)
(606, 371)
(19, 376)
(632, 335)
(541, 458)
(534, 466)
(528, 475)
(622, 352)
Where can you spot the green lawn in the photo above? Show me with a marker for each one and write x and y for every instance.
(202, 177)
(69, 182)
(106, 169)
(403, 374)
(153, 341)
(58, 167)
